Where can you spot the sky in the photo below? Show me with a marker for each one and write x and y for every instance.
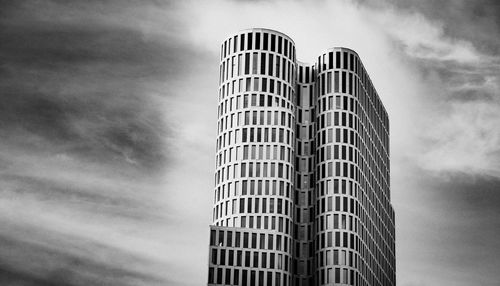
(108, 125)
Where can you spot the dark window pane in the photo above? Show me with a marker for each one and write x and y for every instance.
(263, 63)
(212, 237)
(249, 42)
(247, 63)
(211, 275)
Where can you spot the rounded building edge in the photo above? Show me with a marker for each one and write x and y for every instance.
(242, 31)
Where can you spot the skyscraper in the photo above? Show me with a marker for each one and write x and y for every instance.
(302, 169)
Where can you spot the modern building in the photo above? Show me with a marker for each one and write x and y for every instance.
(302, 193)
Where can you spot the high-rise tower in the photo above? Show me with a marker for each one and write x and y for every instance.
(302, 169)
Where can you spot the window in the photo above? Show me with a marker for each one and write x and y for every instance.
(263, 63)
(255, 259)
(219, 276)
(270, 71)
(229, 238)
(236, 277)
(336, 81)
(247, 63)
(254, 63)
(211, 275)
(212, 237)
(249, 42)
(214, 256)
(245, 240)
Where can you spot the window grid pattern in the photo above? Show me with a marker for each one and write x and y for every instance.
(304, 233)
(255, 155)
(354, 218)
(302, 157)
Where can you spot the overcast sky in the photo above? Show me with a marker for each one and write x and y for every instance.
(108, 125)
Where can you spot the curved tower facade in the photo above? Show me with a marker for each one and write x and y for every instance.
(302, 169)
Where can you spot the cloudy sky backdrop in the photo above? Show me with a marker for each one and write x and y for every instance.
(108, 124)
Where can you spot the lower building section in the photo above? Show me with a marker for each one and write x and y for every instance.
(249, 257)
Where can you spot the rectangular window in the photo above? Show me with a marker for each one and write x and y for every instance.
(236, 277)
(237, 238)
(254, 62)
(343, 82)
(336, 81)
(212, 237)
(222, 260)
(350, 83)
(245, 240)
(244, 278)
(228, 276)
(219, 276)
(214, 256)
(247, 63)
(211, 275)
(329, 83)
(255, 259)
(242, 208)
(270, 71)
(262, 63)
(249, 42)
(351, 66)
(242, 42)
(230, 238)
(240, 66)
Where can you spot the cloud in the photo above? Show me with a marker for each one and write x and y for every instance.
(71, 87)
(457, 100)
(85, 143)
(108, 125)
(472, 21)
(72, 261)
(452, 223)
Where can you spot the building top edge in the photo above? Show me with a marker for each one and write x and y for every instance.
(260, 30)
(338, 49)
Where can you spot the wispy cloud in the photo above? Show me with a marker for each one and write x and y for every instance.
(459, 93)
(85, 144)
(108, 120)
